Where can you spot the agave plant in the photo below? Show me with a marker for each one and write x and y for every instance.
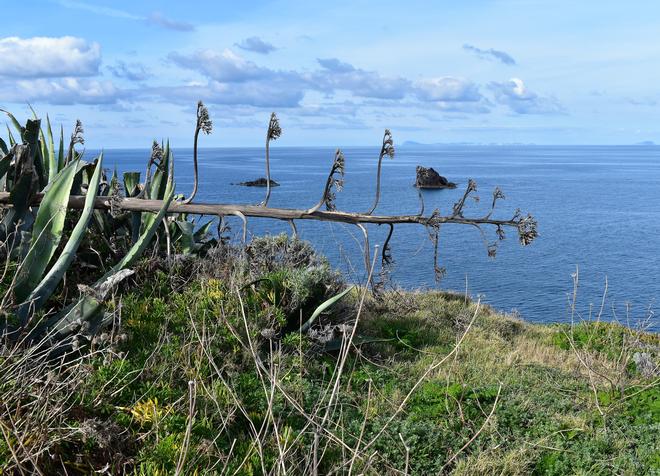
(41, 182)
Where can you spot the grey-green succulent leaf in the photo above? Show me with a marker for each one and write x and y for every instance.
(325, 305)
(47, 286)
(87, 307)
(3, 146)
(187, 236)
(17, 125)
(46, 233)
(52, 160)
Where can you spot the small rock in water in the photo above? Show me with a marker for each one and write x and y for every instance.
(260, 182)
(429, 178)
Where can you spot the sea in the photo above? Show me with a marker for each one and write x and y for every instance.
(597, 207)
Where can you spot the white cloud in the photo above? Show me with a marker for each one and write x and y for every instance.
(515, 94)
(158, 19)
(44, 57)
(61, 91)
(268, 94)
(370, 84)
(225, 67)
(491, 54)
(336, 66)
(447, 89)
(256, 45)
(131, 71)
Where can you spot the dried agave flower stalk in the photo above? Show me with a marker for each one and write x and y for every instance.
(205, 125)
(331, 183)
(387, 149)
(76, 138)
(155, 158)
(274, 132)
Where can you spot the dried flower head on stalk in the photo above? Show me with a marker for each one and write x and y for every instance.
(332, 184)
(205, 125)
(386, 150)
(156, 154)
(388, 145)
(156, 158)
(77, 134)
(274, 129)
(337, 183)
(76, 138)
(273, 133)
(204, 122)
(458, 206)
(115, 197)
(386, 262)
(527, 228)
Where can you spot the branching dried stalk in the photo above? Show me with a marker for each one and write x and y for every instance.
(328, 197)
(387, 149)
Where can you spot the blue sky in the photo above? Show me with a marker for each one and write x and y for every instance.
(337, 73)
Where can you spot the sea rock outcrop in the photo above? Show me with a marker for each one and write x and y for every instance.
(429, 178)
(260, 182)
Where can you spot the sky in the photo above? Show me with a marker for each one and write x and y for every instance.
(337, 73)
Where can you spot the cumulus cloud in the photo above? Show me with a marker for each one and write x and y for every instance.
(227, 68)
(491, 54)
(344, 76)
(130, 71)
(224, 67)
(252, 93)
(158, 19)
(520, 99)
(61, 91)
(235, 80)
(256, 45)
(447, 89)
(334, 65)
(47, 57)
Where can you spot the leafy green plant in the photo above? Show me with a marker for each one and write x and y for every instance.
(33, 166)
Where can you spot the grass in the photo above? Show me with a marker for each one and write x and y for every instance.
(201, 374)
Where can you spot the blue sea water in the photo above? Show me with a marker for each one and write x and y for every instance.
(598, 209)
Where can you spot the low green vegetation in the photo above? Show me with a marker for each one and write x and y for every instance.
(205, 371)
(135, 341)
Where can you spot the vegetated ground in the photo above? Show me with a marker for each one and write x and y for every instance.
(205, 372)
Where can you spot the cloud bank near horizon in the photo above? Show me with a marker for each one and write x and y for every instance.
(126, 64)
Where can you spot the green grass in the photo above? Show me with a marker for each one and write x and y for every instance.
(548, 416)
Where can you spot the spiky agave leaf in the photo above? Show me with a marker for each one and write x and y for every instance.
(325, 305)
(46, 233)
(47, 286)
(3, 147)
(52, 160)
(17, 125)
(89, 304)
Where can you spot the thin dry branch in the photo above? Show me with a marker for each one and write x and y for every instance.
(76, 202)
